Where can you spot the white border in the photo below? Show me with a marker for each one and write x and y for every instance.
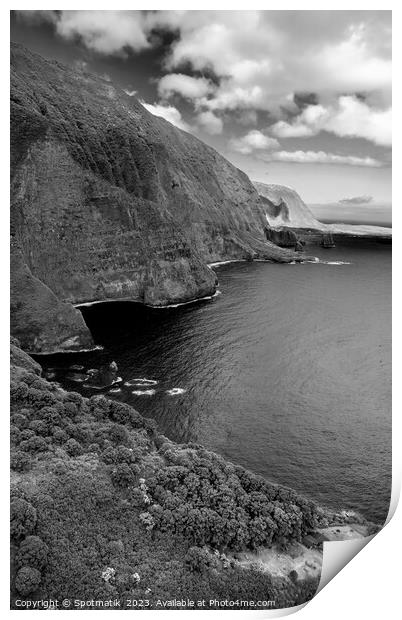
(366, 587)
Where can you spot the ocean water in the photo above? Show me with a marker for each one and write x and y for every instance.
(286, 372)
(374, 213)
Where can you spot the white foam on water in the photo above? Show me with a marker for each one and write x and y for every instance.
(139, 382)
(115, 391)
(143, 392)
(336, 262)
(317, 261)
(175, 391)
(186, 303)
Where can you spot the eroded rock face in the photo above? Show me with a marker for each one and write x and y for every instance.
(111, 202)
(284, 237)
(284, 208)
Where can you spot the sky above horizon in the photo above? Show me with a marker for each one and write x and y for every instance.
(300, 98)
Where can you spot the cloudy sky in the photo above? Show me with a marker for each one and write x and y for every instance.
(301, 98)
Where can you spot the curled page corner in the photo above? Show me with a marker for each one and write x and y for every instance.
(338, 553)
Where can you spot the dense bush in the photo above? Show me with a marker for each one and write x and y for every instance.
(34, 444)
(27, 433)
(73, 448)
(59, 435)
(15, 434)
(70, 409)
(123, 475)
(201, 496)
(20, 461)
(39, 427)
(51, 415)
(199, 559)
(23, 518)
(18, 391)
(27, 580)
(32, 552)
(118, 434)
(40, 398)
(19, 420)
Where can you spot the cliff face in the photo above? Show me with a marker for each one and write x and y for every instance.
(284, 208)
(111, 202)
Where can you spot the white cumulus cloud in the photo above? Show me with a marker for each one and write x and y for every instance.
(185, 85)
(210, 123)
(321, 157)
(350, 117)
(254, 140)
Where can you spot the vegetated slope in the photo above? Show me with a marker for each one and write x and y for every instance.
(285, 208)
(104, 507)
(111, 202)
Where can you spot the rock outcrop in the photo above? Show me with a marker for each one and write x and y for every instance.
(283, 237)
(285, 209)
(111, 202)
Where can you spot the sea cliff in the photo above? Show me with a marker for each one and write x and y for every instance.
(111, 202)
(285, 210)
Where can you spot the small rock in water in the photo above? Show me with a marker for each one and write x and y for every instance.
(77, 377)
(113, 366)
(92, 372)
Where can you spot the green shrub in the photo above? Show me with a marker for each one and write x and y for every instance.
(34, 444)
(70, 409)
(123, 475)
(39, 427)
(199, 559)
(22, 518)
(40, 384)
(99, 406)
(147, 520)
(109, 455)
(125, 455)
(39, 398)
(73, 448)
(50, 415)
(20, 461)
(120, 412)
(293, 576)
(19, 420)
(74, 397)
(15, 434)
(27, 580)
(118, 434)
(32, 552)
(59, 435)
(26, 433)
(18, 391)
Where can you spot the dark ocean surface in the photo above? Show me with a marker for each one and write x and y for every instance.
(286, 372)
